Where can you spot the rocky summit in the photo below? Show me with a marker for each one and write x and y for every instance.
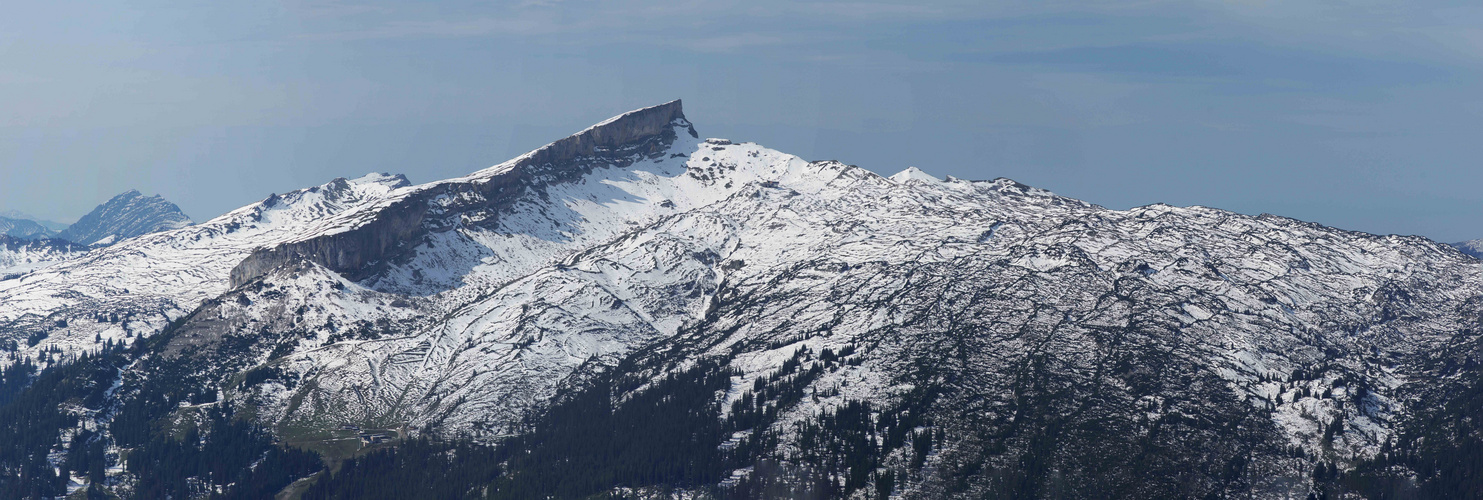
(125, 216)
(638, 312)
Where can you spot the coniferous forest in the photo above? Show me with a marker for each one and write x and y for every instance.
(612, 439)
(946, 250)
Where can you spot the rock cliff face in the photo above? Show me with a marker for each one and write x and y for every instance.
(402, 222)
(125, 216)
(147, 281)
(765, 326)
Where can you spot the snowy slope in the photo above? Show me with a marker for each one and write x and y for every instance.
(51, 227)
(1013, 317)
(125, 216)
(588, 270)
(22, 255)
(1470, 247)
(17, 227)
(152, 279)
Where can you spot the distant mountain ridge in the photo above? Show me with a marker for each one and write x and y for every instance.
(634, 311)
(23, 228)
(125, 216)
(1470, 247)
(53, 226)
(21, 255)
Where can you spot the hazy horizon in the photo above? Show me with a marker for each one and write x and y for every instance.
(1355, 115)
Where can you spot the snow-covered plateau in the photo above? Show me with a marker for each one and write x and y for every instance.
(1026, 331)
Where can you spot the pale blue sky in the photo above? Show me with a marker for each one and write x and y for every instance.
(1362, 115)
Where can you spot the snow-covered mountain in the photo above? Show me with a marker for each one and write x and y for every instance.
(125, 216)
(52, 226)
(22, 255)
(814, 329)
(27, 243)
(152, 279)
(1470, 247)
(16, 227)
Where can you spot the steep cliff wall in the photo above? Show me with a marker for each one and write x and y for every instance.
(382, 237)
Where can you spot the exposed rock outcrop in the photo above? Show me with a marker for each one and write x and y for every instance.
(377, 238)
(809, 329)
(125, 216)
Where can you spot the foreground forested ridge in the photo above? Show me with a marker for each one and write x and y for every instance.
(634, 311)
